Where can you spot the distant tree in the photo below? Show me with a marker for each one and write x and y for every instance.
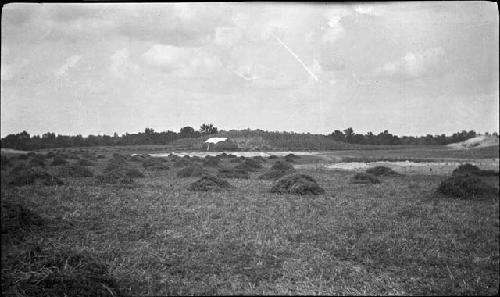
(349, 133)
(208, 129)
(187, 132)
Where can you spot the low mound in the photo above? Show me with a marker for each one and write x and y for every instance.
(16, 218)
(259, 159)
(30, 176)
(74, 171)
(116, 164)
(158, 167)
(274, 174)
(474, 170)
(50, 155)
(249, 165)
(45, 272)
(364, 178)
(291, 158)
(211, 162)
(113, 177)
(299, 184)
(236, 160)
(181, 163)
(466, 186)
(280, 165)
(273, 157)
(58, 160)
(85, 162)
(233, 173)
(37, 162)
(134, 172)
(209, 183)
(382, 171)
(476, 142)
(191, 171)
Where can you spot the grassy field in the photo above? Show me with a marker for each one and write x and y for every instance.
(155, 237)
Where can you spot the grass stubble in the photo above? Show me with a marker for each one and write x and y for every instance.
(159, 238)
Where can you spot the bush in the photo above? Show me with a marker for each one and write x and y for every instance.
(44, 272)
(233, 173)
(58, 160)
(474, 170)
(299, 184)
(85, 162)
(466, 186)
(75, 171)
(382, 171)
(209, 183)
(280, 165)
(191, 171)
(29, 176)
(274, 174)
(364, 178)
(133, 172)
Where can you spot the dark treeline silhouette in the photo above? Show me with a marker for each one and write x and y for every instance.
(24, 141)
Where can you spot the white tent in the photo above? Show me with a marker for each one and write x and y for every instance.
(214, 140)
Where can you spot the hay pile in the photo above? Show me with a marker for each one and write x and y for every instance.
(364, 178)
(21, 176)
(233, 173)
(74, 171)
(291, 158)
(113, 177)
(466, 186)
(45, 272)
(382, 171)
(85, 162)
(209, 183)
(278, 170)
(36, 161)
(133, 173)
(181, 163)
(473, 170)
(16, 219)
(211, 161)
(193, 170)
(299, 184)
(273, 157)
(249, 165)
(58, 160)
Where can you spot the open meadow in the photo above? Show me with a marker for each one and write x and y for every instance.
(98, 221)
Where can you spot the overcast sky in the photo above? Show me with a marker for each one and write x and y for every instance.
(411, 68)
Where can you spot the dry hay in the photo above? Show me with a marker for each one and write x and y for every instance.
(155, 164)
(466, 186)
(473, 170)
(249, 165)
(280, 165)
(364, 178)
(133, 173)
(193, 170)
(29, 176)
(382, 171)
(62, 272)
(85, 162)
(74, 170)
(58, 160)
(209, 183)
(299, 184)
(233, 173)
(274, 174)
(16, 219)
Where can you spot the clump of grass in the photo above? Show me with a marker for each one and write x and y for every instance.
(274, 174)
(58, 160)
(16, 219)
(158, 167)
(133, 173)
(193, 170)
(36, 161)
(100, 156)
(150, 162)
(50, 155)
(236, 160)
(30, 176)
(138, 158)
(211, 162)
(233, 173)
(22, 157)
(382, 171)
(473, 170)
(299, 184)
(116, 164)
(113, 177)
(75, 170)
(63, 272)
(291, 158)
(181, 163)
(364, 178)
(280, 165)
(209, 183)
(259, 159)
(249, 165)
(5, 162)
(85, 162)
(273, 157)
(466, 186)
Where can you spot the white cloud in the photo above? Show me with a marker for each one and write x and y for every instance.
(71, 62)
(121, 64)
(415, 64)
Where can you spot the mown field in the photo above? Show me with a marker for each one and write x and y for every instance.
(152, 235)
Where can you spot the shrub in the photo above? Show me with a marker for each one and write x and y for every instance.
(233, 173)
(466, 186)
(29, 176)
(280, 165)
(133, 172)
(75, 171)
(191, 171)
(44, 272)
(299, 184)
(85, 162)
(364, 178)
(209, 183)
(58, 160)
(474, 170)
(274, 174)
(382, 171)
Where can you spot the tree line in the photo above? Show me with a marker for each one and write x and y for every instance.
(277, 139)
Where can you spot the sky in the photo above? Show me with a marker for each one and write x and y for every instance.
(411, 68)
